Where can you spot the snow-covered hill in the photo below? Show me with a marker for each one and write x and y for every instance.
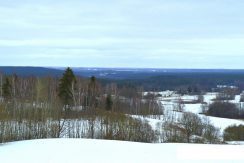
(105, 151)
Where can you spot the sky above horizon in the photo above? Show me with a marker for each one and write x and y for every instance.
(122, 33)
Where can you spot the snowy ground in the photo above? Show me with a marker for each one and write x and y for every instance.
(104, 151)
(169, 101)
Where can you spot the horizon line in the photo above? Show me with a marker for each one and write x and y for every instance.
(91, 67)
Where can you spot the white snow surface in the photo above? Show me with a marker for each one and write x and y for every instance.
(223, 123)
(194, 108)
(209, 97)
(105, 151)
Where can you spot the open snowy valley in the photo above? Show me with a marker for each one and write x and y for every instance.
(99, 121)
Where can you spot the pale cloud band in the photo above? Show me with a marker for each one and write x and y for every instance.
(138, 33)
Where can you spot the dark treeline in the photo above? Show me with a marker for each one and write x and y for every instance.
(180, 80)
(200, 81)
(28, 71)
(225, 110)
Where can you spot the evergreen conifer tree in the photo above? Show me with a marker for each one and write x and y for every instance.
(67, 87)
(7, 89)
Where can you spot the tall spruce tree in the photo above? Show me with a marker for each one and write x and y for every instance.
(67, 87)
(7, 89)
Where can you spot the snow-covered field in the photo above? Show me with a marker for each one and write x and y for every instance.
(105, 151)
(171, 99)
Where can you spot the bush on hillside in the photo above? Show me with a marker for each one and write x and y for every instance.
(234, 133)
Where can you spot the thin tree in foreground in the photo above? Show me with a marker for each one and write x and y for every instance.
(109, 102)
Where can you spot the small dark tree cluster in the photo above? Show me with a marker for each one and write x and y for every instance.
(225, 110)
(234, 133)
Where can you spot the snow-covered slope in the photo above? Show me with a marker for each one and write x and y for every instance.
(102, 151)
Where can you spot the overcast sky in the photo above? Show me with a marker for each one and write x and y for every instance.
(122, 33)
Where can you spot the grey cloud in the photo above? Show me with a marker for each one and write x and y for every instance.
(109, 32)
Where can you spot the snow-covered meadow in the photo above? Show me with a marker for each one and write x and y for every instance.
(105, 151)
